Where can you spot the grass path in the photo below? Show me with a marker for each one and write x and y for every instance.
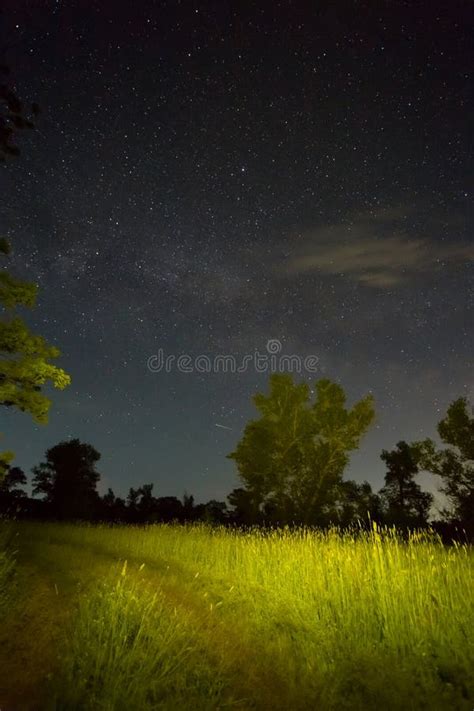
(41, 606)
(48, 583)
(28, 639)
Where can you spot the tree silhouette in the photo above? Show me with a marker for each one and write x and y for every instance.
(141, 504)
(406, 503)
(145, 503)
(168, 508)
(11, 495)
(188, 507)
(132, 502)
(357, 504)
(454, 465)
(215, 512)
(68, 480)
(245, 510)
(291, 460)
(113, 508)
(143, 507)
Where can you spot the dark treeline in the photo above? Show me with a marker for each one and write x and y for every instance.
(288, 478)
(65, 488)
(78, 500)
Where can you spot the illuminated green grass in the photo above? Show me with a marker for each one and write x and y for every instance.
(205, 618)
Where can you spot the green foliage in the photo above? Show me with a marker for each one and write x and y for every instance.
(68, 479)
(25, 367)
(16, 293)
(454, 465)
(407, 504)
(5, 459)
(291, 460)
(24, 358)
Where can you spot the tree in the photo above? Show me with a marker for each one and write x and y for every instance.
(454, 465)
(5, 459)
(168, 508)
(358, 504)
(68, 480)
(188, 506)
(141, 504)
(145, 503)
(215, 512)
(24, 358)
(11, 495)
(406, 503)
(133, 497)
(245, 510)
(113, 507)
(291, 460)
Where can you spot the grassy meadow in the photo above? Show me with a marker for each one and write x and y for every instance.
(169, 617)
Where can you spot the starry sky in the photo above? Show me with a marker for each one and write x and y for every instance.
(206, 176)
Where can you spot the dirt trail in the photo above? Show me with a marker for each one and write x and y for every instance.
(247, 665)
(43, 600)
(28, 640)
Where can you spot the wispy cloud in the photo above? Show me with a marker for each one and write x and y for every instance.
(375, 250)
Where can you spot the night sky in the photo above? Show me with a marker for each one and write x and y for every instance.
(209, 176)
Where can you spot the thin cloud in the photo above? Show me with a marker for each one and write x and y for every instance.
(374, 251)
